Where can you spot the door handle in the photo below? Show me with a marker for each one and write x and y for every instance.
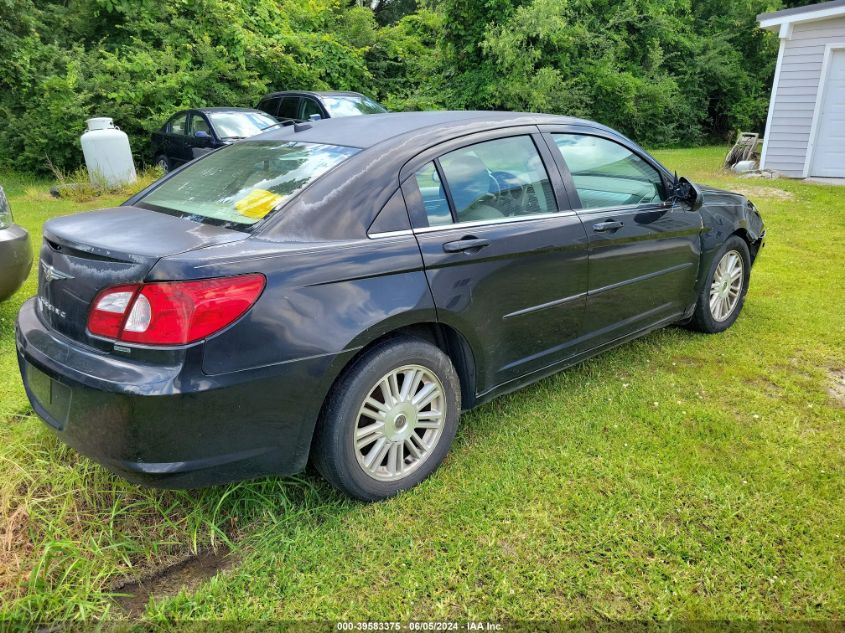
(467, 244)
(607, 225)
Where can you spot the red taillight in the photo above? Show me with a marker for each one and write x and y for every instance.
(109, 312)
(173, 312)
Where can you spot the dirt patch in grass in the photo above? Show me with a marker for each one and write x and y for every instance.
(680, 363)
(772, 193)
(185, 574)
(15, 547)
(766, 386)
(837, 386)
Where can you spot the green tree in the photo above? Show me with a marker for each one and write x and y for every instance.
(138, 61)
(662, 71)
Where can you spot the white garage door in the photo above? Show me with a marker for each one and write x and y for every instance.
(829, 153)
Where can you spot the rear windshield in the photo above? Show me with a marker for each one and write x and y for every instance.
(244, 183)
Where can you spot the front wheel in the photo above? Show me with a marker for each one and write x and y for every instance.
(389, 421)
(163, 163)
(723, 295)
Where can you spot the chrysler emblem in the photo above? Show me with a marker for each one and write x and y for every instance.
(52, 274)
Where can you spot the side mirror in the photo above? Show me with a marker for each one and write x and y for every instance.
(684, 190)
(315, 117)
(203, 137)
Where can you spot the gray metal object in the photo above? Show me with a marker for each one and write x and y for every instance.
(15, 251)
(743, 151)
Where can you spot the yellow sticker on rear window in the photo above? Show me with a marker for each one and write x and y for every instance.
(258, 203)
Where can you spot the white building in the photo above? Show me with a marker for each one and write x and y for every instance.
(805, 129)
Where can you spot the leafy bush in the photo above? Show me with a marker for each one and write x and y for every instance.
(664, 72)
(138, 61)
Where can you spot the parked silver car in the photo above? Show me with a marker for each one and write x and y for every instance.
(15, 251)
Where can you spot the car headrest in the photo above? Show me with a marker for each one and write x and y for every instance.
(468, 179)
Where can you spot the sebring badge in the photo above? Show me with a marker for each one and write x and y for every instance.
(49, 307)
(51, 274)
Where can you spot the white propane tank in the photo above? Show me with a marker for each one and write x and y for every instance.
(107, 153)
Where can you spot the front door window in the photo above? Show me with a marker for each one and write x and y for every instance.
(606, 174)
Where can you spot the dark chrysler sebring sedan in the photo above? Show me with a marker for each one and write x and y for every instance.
(342, 291)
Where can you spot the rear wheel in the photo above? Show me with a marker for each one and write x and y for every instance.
(723, 295)
(389, 421)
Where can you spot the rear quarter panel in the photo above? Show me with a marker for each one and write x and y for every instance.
(321, 299)
(15, 259)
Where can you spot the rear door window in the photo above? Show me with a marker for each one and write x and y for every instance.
(498, 179)
(270, 106)
(289, 109)
(606, 174)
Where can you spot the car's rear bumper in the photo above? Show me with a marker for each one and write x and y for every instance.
(170, 426)
(15, 259)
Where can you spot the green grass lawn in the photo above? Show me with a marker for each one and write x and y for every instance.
(682, 476)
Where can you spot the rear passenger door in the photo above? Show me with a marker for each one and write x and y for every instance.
(644, 250)
(505, 257)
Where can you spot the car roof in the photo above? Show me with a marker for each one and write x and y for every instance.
(358, 188)
(313, 93)
(226, 109)
(374, 129)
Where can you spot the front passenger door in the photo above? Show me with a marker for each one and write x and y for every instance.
(200, 146)
(309, 108)
(644, 250)
(178, 148)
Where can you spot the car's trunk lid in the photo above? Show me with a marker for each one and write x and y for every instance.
(83, 254)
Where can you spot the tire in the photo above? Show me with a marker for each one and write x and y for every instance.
(163, 162)
(713, 319)
(343, 460)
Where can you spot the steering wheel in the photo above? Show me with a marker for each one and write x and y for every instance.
(516, 197)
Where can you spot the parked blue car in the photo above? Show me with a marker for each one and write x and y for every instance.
(192, 133)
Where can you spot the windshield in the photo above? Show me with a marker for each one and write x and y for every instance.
(241, 184)
(236, 125)
(352, 106)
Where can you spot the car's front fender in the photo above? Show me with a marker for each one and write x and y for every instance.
(725, 213)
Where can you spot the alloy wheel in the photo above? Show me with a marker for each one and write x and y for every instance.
(726, 288)
(399, 423)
